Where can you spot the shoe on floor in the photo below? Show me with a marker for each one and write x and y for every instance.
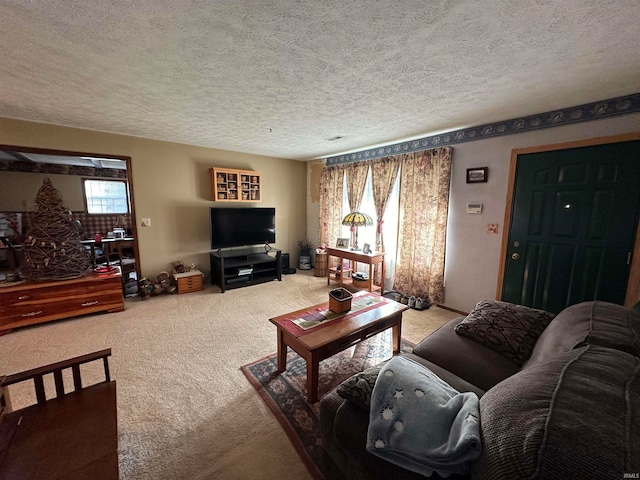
(422, 303)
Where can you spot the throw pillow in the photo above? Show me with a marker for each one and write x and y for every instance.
(357, 389)
(509, 329)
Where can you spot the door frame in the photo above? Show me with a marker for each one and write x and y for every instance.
(127, 159)
(633, 283)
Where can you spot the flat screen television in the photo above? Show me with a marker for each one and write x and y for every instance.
(235, 227)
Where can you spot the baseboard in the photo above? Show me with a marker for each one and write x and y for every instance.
(444, 307)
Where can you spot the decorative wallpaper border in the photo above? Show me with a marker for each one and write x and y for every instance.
(582, 113)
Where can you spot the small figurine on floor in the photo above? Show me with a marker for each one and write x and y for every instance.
(145, 287)
(164, 283)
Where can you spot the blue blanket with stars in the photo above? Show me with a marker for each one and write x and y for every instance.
(421, 423)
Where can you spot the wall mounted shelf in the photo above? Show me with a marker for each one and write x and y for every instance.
(229, 185)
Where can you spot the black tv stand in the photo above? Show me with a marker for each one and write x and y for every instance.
(245, 266)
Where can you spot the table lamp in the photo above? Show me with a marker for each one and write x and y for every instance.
(355, 220)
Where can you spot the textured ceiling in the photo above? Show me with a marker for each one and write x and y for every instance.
(281, 78)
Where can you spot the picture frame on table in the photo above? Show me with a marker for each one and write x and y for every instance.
(366, 248)
(477, 175)
(342, 243)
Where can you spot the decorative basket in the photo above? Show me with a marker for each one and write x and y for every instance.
(360, 283)
(340, 300)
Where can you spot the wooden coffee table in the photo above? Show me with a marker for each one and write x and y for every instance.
(336, 336)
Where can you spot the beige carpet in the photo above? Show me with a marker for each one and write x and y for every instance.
(185, 410)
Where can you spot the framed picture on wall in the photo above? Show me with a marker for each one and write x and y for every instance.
(477, 175)
(342, 243)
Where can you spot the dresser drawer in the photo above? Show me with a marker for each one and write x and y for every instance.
(33, 302)
(54, 292)
(192, 283)
(30, 313)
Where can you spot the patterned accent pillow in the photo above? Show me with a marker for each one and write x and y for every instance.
(357, 389)
(509, 329)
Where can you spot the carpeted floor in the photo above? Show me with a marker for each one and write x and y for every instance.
(185, 410)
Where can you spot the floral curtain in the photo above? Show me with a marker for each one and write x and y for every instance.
(383, 177)
(331, 184)
(356, 178)
(424, 204)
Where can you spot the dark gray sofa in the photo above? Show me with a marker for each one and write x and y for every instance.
(571, 410)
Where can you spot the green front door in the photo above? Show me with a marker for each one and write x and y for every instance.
(573, 223)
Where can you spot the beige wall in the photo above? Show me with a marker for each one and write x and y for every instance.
(473, 255)
(171, 186)
(19, 190)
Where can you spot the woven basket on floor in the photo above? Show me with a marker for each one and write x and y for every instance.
(340, 300)
(360, 283)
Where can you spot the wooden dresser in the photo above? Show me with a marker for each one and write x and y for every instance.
(37, 302)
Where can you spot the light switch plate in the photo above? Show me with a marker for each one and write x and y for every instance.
(145, 222)
(474, 208)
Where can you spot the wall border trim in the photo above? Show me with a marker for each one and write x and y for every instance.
(612, 107)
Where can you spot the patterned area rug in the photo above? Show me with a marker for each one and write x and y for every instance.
(285, 394)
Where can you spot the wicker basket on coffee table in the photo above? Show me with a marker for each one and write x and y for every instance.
(340, 300)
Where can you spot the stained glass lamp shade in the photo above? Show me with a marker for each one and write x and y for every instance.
(355, 220)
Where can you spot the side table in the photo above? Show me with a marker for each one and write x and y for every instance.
(371, 259)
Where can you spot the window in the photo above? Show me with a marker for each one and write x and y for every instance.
(106, 196)
(368, 234)
(365, 234)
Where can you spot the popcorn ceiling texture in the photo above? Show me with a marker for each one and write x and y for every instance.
(280, 78)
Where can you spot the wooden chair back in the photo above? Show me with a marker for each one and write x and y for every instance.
(5, 404)
(38, 374)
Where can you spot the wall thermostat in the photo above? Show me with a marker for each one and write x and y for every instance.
(474, 207)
